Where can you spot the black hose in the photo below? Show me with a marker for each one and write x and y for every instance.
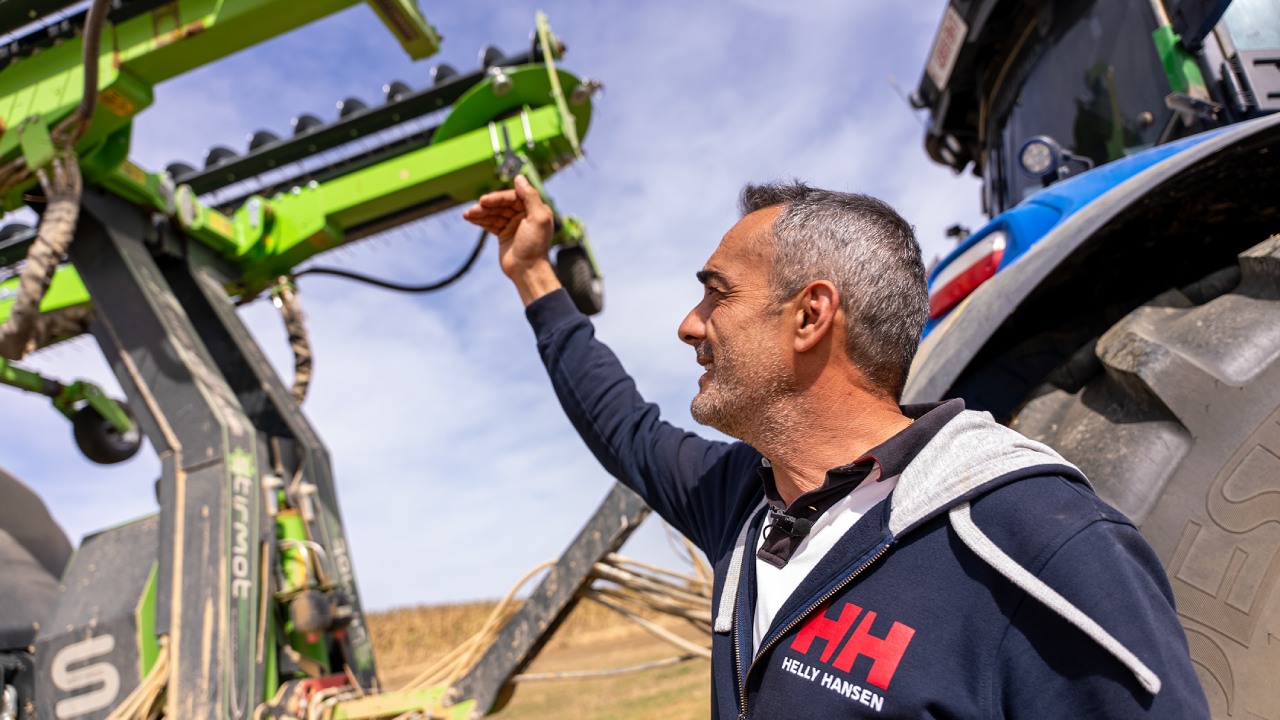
(92, 40)
(429, 287)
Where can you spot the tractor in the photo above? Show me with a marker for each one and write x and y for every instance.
(1122, 304)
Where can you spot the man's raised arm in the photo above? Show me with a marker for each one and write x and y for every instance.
(665, 465)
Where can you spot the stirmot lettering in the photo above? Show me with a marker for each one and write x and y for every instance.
(885, 653)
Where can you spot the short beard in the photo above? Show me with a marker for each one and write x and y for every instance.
(748, 404)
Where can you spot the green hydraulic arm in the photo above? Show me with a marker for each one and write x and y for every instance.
(514, 120)
(148, 42)
(68, 399)
(146, 48)
(520, 112)
(144, 43)
(239, 229)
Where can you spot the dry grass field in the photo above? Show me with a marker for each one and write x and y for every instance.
(409, 639)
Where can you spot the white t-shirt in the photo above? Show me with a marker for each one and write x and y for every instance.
(774, 585)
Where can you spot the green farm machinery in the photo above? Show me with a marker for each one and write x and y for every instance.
(238, 598)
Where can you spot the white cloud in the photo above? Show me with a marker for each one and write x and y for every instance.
(456, 469)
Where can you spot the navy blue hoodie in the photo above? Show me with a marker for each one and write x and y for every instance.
(991, 583)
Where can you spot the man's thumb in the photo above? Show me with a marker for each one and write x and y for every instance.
(526, 192)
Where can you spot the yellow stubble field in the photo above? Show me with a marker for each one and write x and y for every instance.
(407, 640)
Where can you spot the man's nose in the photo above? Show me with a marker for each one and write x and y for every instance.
(693, 328)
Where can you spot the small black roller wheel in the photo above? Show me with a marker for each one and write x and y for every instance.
(99, 440)
(573, 267)
(13, 229)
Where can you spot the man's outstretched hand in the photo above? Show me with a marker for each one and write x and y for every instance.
(523, 225)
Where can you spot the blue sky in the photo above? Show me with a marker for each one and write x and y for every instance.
(436, 410)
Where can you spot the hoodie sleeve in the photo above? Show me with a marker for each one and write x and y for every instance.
(693, 483)
(1051, 669)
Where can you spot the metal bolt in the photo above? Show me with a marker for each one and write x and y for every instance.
(584, 91)
(253, 209)
(502, 83)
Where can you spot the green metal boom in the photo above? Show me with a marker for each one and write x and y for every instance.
(520, 114)
(267, 236)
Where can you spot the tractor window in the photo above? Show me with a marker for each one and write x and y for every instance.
(1094, 83)
(1254, 24)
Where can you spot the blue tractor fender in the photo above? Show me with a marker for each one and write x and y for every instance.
(1051, 228)
(1023, 226)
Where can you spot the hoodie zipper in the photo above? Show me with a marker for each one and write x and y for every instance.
(737, 652)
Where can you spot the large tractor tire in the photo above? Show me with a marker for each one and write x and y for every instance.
(1175, 416)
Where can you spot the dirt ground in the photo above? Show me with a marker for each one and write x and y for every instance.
(591, 639)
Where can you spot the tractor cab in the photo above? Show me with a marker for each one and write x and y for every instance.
(1030, 92)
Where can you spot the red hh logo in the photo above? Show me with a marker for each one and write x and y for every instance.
(885, 652)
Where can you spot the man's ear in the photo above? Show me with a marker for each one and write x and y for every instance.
(815, 314)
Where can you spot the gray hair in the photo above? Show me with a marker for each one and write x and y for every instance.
(869, 252)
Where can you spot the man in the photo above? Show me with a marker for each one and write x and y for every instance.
(870, 560)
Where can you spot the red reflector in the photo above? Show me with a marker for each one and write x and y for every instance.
(965, 273)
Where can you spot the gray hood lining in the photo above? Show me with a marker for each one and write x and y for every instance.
(982, 546)
(967, 453)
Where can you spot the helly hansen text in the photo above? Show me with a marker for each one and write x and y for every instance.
(835, 684)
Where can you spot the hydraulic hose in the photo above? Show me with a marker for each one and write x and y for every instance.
(388, 285)
(62, 185)
(286, 300)
(93, 23)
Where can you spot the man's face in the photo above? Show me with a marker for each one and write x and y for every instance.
(737, 331)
